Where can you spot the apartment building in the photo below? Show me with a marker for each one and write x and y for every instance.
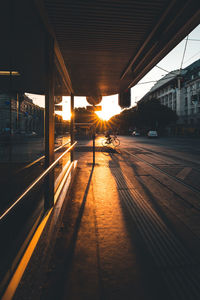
(180, 91)
(18, 113)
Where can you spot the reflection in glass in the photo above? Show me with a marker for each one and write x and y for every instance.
(21, 143)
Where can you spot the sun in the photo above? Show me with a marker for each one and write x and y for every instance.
(104, 115)
(66, 113)
(110, 108)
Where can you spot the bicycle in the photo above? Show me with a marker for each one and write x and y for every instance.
(111, 141)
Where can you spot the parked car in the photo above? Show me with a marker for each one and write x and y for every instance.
(152, 134)
(135, 133)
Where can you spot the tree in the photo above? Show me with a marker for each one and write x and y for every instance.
(82, 115)
(153, 115)
(146, 115)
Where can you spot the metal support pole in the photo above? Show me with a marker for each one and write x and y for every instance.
(93, 138)
(49, 123)
(9, 138)
(17, 112)
(178, 96)
(72, 126)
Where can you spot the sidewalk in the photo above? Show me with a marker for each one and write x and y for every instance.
(110, 242)
(97, 252)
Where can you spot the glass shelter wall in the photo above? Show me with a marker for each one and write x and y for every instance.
(32, 136)
(21, 144)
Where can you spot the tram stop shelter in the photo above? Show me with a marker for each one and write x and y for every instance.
(85, 48)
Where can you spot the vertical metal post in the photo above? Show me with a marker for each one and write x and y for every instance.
(49, 123)
(72, 126)
(9, 138)
(178, 96)
(10, 106)
(17, 112)
(93, 138)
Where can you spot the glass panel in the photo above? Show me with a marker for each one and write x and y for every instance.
(21, 147)
(21, 144)
(62, 137)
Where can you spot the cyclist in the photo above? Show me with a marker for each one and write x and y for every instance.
(110, 140)
(107, 135)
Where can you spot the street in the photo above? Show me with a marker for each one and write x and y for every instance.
(166, 172)
(140, 228)
(177, 157)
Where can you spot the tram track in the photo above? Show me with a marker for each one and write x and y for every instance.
(187, 203)
(175, 264)
(181, 161)
(194, 203)
(192, 188)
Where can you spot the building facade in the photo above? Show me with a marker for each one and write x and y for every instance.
(180, 91)
(18, 114)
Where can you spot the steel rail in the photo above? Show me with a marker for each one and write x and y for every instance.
(196, 190)
(60, 147)
(36, 181)
(42, 157)
(168, 252)
(171, 157)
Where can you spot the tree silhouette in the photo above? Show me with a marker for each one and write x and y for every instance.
(146, 115)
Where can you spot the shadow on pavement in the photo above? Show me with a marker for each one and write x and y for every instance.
(58, 278)
(152, 283)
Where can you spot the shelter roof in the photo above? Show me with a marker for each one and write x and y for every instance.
(108, 46)
(101, 47)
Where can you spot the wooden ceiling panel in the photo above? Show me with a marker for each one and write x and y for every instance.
(109, 45)
(101, 46)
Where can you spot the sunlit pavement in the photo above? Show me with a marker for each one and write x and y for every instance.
(127, 233)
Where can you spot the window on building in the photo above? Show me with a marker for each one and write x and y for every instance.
(186, 101)
(185, 90)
